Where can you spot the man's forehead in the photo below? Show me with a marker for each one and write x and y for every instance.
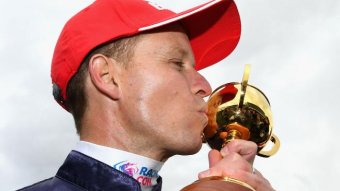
(171, 38)
(164, 45)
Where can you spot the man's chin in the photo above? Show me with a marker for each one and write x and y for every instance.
(191, 150)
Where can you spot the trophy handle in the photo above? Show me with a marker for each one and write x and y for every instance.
(275, 147)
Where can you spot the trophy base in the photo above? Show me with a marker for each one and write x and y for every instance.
(217, 183)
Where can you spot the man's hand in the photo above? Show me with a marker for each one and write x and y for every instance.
(235, 160)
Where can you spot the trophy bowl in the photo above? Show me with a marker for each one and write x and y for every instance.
(237, 110)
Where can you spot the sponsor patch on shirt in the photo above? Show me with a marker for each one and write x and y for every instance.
(144, 175)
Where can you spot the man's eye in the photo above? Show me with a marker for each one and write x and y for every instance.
(178, 63)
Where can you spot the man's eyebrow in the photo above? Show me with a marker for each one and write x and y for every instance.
(177, 49)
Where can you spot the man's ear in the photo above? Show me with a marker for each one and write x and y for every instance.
(102, 75)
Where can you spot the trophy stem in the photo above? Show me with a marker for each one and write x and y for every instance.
(236, 131)
(232, 135)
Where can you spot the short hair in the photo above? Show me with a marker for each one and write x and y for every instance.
(121, 50)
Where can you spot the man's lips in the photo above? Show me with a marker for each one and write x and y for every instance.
(204, 113)
(204, 109)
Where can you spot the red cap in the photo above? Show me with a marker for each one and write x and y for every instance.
(213, 28)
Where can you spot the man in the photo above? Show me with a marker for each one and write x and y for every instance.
(126, 70)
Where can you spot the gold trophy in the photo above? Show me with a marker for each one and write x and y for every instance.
(237, 111)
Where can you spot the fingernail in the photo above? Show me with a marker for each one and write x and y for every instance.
(204, 174)
(224, 151)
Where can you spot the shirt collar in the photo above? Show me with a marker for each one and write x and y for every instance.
(143, 169)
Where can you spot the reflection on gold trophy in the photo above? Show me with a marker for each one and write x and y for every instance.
(237, 111)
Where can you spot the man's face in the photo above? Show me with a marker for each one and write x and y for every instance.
(162, 102)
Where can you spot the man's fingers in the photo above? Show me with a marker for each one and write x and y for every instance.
(237, 154)
(224, 166)
(214, 157)
(235, 160)
(247, 149)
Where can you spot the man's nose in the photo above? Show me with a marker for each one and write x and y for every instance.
(201, 86)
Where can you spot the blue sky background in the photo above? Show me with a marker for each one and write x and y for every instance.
(293, 47)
